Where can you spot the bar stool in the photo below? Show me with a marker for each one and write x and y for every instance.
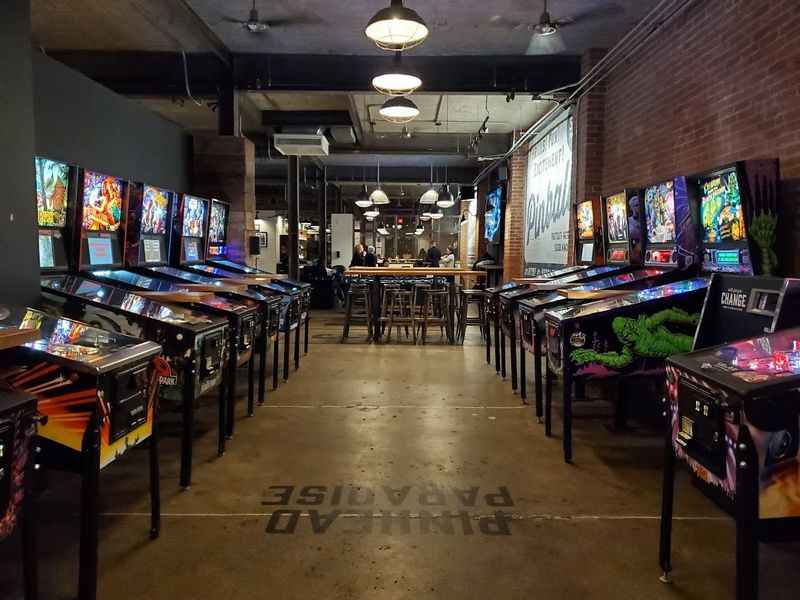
(359, 309)
(397, 309)
(435, 311)
(466, 298)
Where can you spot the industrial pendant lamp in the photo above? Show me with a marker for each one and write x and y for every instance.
(419, 230)
(431, 195)
(378, 196)
(372, 213)
(396, 28)
(437, 215)
(362, 200)
(399, 110)
(426, 216)
(382, 230)
(445, 197)
(398, 82)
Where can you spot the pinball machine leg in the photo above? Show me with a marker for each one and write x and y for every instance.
(548, 401)
(155, 478)
(537, 371)
(503, 353)
(746, 512)
(297, 346)
(488, 336)
(512, 349)
(90, 511)
(251, 383)
(523, 384)
(187, 429)
(262, 370)
(221, 411)
(667, 502)
(566, 397)
(275, 358)
(305, 335)
(29, 535)
(287, 337)
(497, 342)
(230, 418)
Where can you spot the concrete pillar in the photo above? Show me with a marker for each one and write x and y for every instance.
(224, 167)
(293, 198)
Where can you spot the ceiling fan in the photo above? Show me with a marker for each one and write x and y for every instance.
(255, 25)
(546, 32)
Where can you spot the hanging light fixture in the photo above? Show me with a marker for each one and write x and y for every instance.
(437, 215)
(399, 110)
(396, 28)
(362, 200)
(398, 82)
(420, 229)
(370, 219)
(431, 195)
(445, 199)
(372, 213)
(382, 230)
(426, 216)
(378, 196)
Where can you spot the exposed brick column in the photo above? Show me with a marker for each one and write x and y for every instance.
(480, 198)
(224, 168)
(513, 250)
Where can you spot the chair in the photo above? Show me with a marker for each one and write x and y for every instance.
(434, 310)
(397, 309)
(467, 298)
(359, 310)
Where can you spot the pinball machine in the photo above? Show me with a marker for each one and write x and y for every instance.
(630, 337)
(194, 343)
(243, 314)
(733, 402)
(96, 397)
(217, 257)
(147, 247)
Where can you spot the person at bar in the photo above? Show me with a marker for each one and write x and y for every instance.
(370, 260)
(434, 255)
(358, 256)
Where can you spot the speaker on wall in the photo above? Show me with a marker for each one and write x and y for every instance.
(255, 245)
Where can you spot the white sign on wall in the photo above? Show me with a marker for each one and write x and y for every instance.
(548, 199)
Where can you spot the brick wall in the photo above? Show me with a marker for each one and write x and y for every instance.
(718, 84)
(513, 248)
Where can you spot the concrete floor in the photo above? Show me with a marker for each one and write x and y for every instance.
(378, 472)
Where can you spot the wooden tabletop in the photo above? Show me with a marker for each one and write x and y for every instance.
(391, 271)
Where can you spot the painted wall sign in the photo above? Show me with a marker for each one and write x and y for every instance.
(548, 195)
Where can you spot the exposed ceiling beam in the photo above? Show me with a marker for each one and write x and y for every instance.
(161, 73)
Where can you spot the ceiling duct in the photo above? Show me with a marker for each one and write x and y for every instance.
(290, 144)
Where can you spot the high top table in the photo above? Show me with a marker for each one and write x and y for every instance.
(450, 274)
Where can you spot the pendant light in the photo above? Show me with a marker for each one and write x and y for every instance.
(445, 199)
(362, 200)
(437, 215)
(370, 219)
(396, 28)
(398, 82)
(372, 213)
(426, 216)
(382, 230)
(399, 110)
(378, 196)
(431, 195)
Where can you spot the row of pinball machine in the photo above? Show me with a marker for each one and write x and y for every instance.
(674, 288)
(143, 310)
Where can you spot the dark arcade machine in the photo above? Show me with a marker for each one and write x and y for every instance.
(243, 314)
(217, 257)
(194, 343)
(629, 337)
(621, 244)
(147, 248)
(734, 401)
(189, 253)
(96, 398)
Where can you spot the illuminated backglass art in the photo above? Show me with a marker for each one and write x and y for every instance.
(154, 210)
(721, 209)
(585, 221)
(52, 192)
(217, 222)
(617, 218)
(194, 216)
(102, 202)
(659, 206)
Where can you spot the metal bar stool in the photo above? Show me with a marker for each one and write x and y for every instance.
(359, 309)
(466, 298)
(435, 311)
(400, 310)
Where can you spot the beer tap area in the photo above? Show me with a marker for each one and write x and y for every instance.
(399, 299)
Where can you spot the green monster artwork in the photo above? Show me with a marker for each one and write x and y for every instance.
(643, 336)
(762, 230)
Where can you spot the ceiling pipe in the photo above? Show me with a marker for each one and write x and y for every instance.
(624, 49)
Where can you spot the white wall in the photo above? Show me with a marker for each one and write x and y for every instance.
(272, 225)
(342, 240)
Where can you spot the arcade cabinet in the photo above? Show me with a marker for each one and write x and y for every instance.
(217, 251)
(147, 252)
(631, 335)
(96, 394)
(193, 343)
(243, 314)
(588, 234)
(733, 402)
